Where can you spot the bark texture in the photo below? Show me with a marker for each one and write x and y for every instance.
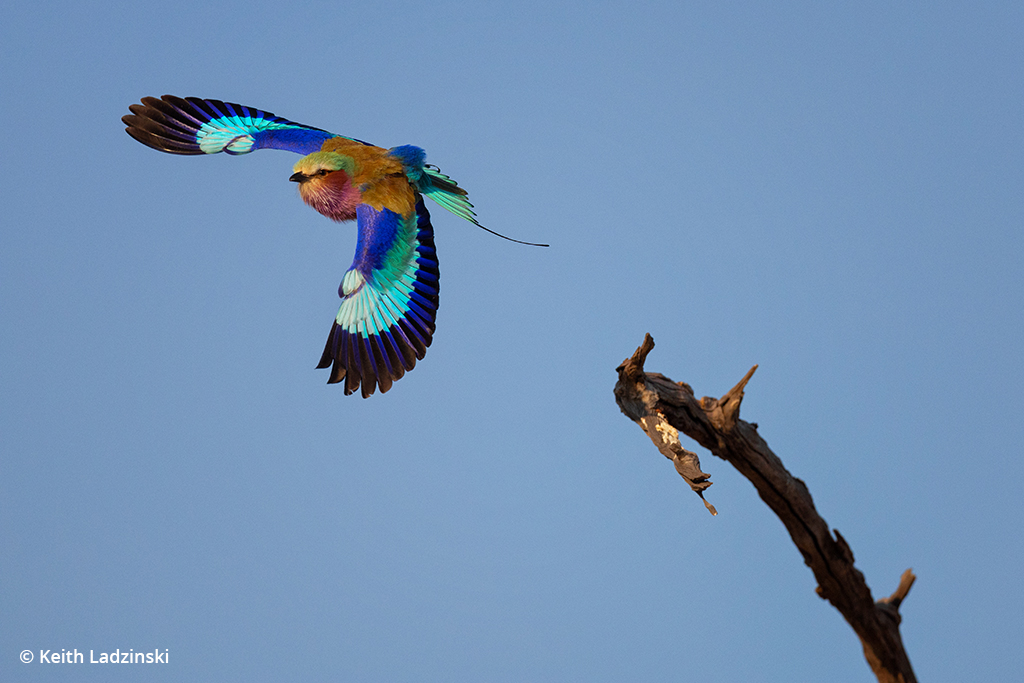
(664, 408)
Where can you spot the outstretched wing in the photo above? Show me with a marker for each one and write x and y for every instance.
(389, 301)
(192, 125)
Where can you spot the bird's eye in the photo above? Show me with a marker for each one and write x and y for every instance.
(322, 171)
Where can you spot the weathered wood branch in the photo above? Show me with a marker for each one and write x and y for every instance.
(664, 408)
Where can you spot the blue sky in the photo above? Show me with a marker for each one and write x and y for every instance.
(833, 192)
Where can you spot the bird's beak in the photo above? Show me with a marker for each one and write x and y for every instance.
(299, 178)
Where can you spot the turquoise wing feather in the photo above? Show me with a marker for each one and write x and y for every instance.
(191, 125)
(389, 301)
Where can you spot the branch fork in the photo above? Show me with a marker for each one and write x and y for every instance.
(663, 409)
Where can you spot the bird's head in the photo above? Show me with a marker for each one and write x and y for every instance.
(325, 183)
(320, 164)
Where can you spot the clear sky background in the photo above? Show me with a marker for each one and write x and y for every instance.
(833, 191)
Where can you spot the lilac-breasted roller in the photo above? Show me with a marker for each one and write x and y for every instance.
(389, 294)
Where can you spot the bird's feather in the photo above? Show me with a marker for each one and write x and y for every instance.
(447, 193)
(192, 125)
(389, 300)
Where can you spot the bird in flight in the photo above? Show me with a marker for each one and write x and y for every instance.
(389, 294)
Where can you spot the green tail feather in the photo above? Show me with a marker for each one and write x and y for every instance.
(447, 193)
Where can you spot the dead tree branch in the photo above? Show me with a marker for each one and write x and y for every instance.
(664, 408)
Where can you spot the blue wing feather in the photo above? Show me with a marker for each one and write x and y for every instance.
(192, 125)
(389, 301)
